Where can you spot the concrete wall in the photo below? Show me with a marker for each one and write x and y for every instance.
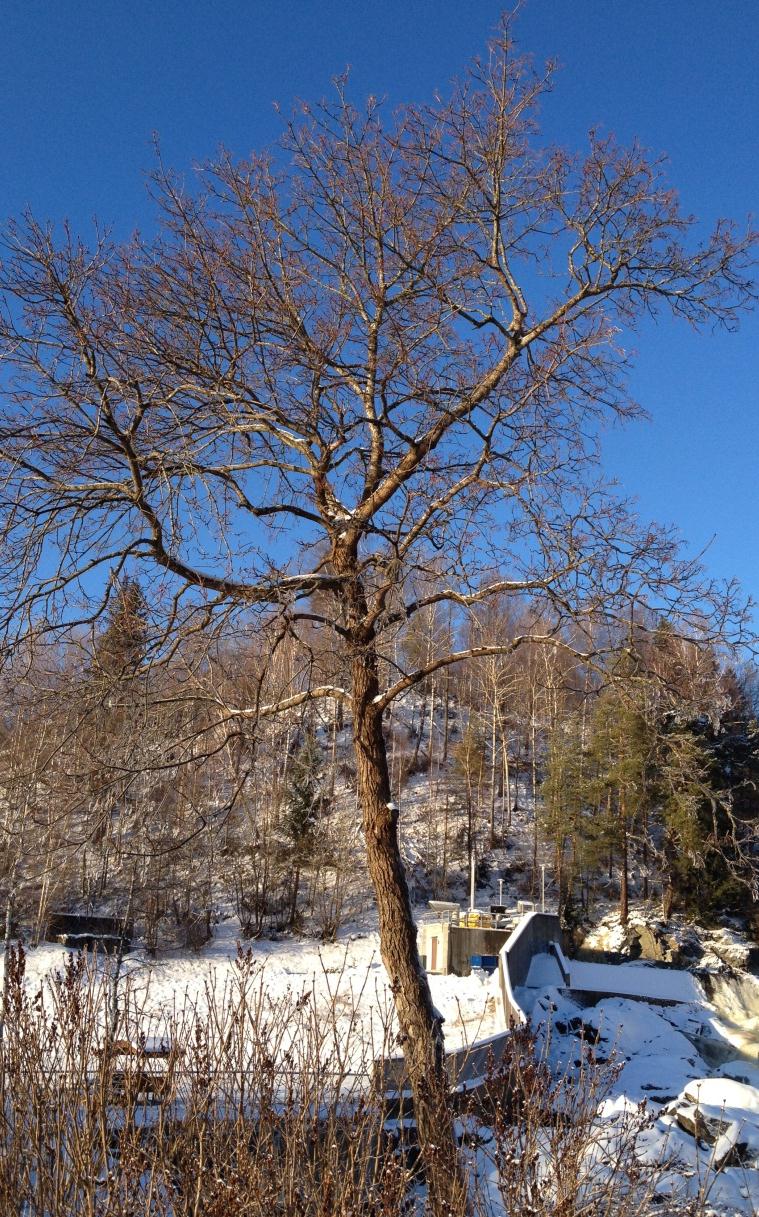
(535, 933)
(456, 945)
(425, 933)
(468, 1064)
(462, 944)
(532, 936)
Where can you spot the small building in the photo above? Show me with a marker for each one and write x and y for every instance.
(452, 941)
(88, 933)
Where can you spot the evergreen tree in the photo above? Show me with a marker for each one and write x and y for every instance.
(122, 646)
(667, 779)
(622, 750)
(565, 792)
(686, 790)
(112, 733)
(711, 810)
(304, 801)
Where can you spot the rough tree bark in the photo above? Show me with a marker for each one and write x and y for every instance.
(624, 865)
(420, 1025)
(421, 1033)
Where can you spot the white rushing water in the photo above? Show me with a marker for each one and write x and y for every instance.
(735, 997)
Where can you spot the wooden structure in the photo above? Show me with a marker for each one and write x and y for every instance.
(85, 932)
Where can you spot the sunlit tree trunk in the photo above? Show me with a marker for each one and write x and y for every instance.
(421, 1032)
(420, 1026)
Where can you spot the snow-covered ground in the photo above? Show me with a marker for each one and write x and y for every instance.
(687, 1067)
(630, 980)
(345, 977)
(699, 1118)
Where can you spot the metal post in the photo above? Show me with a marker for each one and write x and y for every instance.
(500, 892)
(471, 881)
(542, 887)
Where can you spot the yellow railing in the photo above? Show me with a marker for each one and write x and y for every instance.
(476, 920)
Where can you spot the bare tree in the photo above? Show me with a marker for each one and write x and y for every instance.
(332, 366)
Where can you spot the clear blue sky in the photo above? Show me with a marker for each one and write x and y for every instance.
(86, 83)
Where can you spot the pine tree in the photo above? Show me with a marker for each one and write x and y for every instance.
(112, 732)
(122, 646)
(686, 789)
(565, 793)
(622, 750)
(709, 776)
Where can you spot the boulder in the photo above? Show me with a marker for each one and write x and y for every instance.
(728, 1149)
(657, 945)
(722, 1135)
(688, 1117)
(648, 940)
(723, 1115)
(734, 951)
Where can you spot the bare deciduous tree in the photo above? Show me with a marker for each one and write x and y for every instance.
(385, 344)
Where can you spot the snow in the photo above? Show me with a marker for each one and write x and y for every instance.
(609, 936)
(723, 1094)
(629, 980)
(741, 1071)
(660, 1055)
(544, 970)
(636, 980)
(347, 975)
(704, 1124)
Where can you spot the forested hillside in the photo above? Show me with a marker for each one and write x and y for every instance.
(129, 788)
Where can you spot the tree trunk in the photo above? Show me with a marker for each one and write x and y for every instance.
(6, 950)
(118, 963)
(445, 846)
(645, 854)
(421, 1033)
(293, 915)
(506, 775)
(534, 784)
(624, 898)
(419, 734)
(558, 866)
(420, 1025)
(493, 757)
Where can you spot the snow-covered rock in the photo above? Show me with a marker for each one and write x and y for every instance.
(732, 948)
(644, 937)
(721, 1114)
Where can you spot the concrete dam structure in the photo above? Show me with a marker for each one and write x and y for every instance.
(530, 960)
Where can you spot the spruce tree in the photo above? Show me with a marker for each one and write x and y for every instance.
(622, 749)
(304, 800)
(565, 793)
(122, 646)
